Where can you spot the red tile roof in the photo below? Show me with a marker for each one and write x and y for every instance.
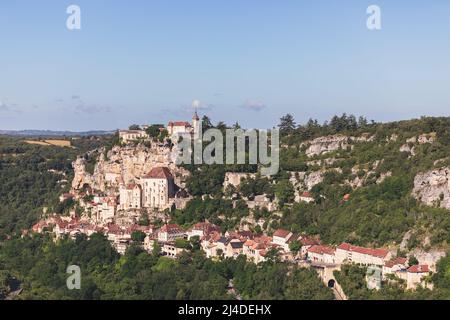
(281, 233)
(179, 124)
(171, 228)
(305, 241)
(381, 253)
(322, 250)
(396, 261)
(159, 173)
(419, 268)
(131, 186)
(306, 194)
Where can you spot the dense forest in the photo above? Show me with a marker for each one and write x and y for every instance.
(34, 176)
(41, 266)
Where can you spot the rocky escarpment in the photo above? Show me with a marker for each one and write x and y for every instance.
(125, 165)
(322, 145)
(433, 187)
(327, 144)
(411, 143)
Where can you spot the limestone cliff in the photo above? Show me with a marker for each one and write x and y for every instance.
(125, 164)
(322, 145)
(327, 144)
(433, 187)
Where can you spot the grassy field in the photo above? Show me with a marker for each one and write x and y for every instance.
(53, 142)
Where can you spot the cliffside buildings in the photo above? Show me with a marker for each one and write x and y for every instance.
(359, 255)
(155, 191)
(181, 128)
(174, 128)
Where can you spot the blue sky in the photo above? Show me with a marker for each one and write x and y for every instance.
(244, 60)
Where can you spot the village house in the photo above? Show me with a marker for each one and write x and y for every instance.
(127, 136)
(306, 243)
(130, 196)
(234, 248)
(321, 254)
(60, 228)
(282, 238)
(40, 226)
(221, 246)
(170, 232)
(201, 229)
(121, 244)
(113, 232)
(234, 178)
(149, 243)
(169, 249)
(255, 250)
(394, 265)
(209, 244)
(262, 201)
(305, 197)
(415, 275)
(359, 255)
(158, 186)
(107, 210)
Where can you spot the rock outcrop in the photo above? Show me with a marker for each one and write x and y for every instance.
(322, 145)
(234, 178)
(125, 165)
(305, 181)
(327, 144)
(433, 187)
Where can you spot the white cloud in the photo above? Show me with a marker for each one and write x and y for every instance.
(6, 106)
(253, 105)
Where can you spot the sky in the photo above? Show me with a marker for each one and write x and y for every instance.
(246, 61)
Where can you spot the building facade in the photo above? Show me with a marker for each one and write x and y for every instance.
(130, 196)
(158, 187)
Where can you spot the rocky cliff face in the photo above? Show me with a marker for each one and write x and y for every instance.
(125, 165)
(327, 144)
(433, 187)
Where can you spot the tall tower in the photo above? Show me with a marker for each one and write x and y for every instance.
(196, 125)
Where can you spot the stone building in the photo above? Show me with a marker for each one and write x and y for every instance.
(132, 135)
(359, 255)
(130, 196)
(158, 187)
(181, 128)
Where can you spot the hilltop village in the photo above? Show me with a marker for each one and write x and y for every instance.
(132, 187)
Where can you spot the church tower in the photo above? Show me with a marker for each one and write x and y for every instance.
(196, 125)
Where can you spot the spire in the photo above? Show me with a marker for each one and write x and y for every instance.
(195, 117)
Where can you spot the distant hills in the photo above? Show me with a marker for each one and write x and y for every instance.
(50, 133)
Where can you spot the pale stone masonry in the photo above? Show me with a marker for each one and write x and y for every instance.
(359, 255)
(158, 186)
(130, 196)
(132, 135)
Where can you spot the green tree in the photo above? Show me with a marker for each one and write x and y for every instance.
(138, 236)
(287, 125)
(134, 127)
